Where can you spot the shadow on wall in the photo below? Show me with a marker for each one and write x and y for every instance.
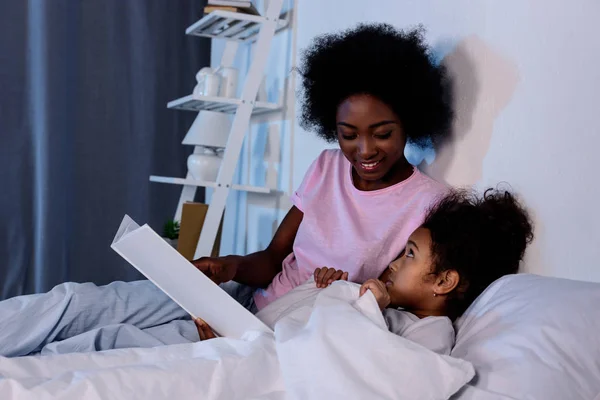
(483, 83)
(534, 262)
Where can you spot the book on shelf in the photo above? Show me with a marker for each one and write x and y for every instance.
(245, 10)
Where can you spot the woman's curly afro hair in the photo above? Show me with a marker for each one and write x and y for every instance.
(481, 237)
(376, 59)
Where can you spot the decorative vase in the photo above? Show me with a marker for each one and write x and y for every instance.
(204, 166)
(208, 82)
(229, 81)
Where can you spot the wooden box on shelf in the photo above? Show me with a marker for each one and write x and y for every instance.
(192, 220)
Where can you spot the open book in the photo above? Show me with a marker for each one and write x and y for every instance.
(181, 281)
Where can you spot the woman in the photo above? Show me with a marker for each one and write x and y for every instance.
(372, 89)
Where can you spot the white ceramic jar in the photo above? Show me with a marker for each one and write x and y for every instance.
(229, 81)
(208, 82)
(204, 166)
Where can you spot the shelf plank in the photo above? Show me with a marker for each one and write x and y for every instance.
(229, 25)
(220, 104)
(194, 182)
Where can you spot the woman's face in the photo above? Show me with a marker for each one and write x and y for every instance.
(372, 139)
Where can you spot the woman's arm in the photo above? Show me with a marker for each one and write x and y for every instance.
(256, 269)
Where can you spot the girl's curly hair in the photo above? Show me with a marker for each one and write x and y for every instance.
(481, 237)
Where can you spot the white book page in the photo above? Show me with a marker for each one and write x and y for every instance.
(179, 279)
(127, 225)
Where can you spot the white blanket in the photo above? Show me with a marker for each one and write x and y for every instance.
(339, 349)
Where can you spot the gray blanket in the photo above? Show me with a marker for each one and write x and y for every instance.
(81, 317)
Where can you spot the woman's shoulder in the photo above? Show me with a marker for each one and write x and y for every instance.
(330, 155)
(420, 191)
(327, 160)
(420, 187)
(320, 178)
(429, 184)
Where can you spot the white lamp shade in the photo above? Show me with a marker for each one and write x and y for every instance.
(209, 129)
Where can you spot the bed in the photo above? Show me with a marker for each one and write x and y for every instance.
(525, 337)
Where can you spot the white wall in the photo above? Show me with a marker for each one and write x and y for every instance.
(527, 74)
(528, 81)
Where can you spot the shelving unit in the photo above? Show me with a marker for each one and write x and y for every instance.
(235, 28)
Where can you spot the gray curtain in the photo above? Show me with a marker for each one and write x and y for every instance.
(83, 123)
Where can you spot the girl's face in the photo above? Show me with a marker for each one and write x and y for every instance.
(409, 278)
(372, 139)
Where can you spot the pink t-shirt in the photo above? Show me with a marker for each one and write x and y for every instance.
(356, 231)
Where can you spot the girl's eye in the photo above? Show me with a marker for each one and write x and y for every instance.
(410, 253)
(350, 136)
(384, 135)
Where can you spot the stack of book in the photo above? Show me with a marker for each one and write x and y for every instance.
(241, 6)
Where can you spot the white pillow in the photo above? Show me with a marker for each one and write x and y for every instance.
(533, 337)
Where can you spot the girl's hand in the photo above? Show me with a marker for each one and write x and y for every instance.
(379, 290)
(204, 330)
(326, 276)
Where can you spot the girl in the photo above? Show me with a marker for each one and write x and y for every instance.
(465, 243)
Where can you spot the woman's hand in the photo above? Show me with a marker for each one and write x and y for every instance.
(379, 290)
(326, 276)
(204, 330)
(218, 269)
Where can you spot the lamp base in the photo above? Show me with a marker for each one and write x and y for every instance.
(204, 166)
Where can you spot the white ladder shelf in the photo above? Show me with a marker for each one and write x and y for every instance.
(236, 28)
